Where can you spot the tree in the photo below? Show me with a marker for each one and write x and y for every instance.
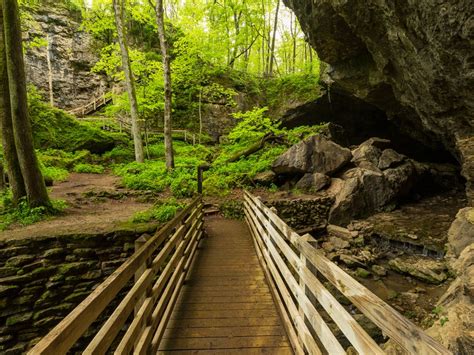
(167, 84)
(36, 192)
(12, 165)
(129, 80)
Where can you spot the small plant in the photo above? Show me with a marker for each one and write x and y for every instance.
(161, 212)
(443, 320)
(89, 168)
(25, 215)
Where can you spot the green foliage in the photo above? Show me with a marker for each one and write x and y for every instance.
(54, 173)
(153, 175)
(23, 214)
(161, 212)
(233, 209)
(54, 128)
(89, 168)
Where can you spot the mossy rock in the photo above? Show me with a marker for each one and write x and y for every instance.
(19, 319)
(363, 273)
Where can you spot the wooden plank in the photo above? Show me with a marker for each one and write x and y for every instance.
(190, 253)
(128, 340)
(285, 230)
(247, 351)
(110, 329)
(71, 328)
(325, 335)
(275, 235)
(174, 282)
(392, 323)
(224, 332)
(361, 341)
(224, 343)
(287, 323)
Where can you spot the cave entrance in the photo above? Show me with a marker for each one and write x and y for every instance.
(352, 121)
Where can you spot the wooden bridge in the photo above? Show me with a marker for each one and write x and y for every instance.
(94, 105)
(250, 289)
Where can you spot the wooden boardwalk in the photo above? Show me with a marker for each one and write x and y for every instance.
(225, 305)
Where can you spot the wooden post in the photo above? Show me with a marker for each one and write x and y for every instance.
(185, 136)
(194, 139)
(138, 244)
(201, 169)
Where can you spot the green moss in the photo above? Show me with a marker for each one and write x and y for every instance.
(363, 273)
(54, 128)
(19, 319)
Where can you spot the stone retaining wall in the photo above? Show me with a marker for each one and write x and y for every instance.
(305, 213)
(43, 279)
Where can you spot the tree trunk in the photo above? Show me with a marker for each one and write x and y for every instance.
(36, 192)
(272, 51)
(11, 165)
(129, 81)
(167, 81)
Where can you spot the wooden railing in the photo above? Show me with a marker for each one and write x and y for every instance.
(92, 106)
(160, 266)
(292, 265)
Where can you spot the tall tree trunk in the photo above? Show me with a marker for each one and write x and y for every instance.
(129, 81)
(272, 51)
(11, 165)
(36, 192)
(160, 21)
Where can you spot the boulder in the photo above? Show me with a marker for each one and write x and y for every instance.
(313, 182)
(369, 151)
(455, 326)
(461, 232)
(315, 154)
(364, 192)
(390, 158)
(341, 232)
(424, 269)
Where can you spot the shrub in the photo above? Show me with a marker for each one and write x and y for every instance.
(161, 212)
(89, 168)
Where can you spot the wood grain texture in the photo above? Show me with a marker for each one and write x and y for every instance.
(225, 305)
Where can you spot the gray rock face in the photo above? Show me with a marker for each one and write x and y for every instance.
(461, 232)
(364, 192)
(313, 182)
(413, 60)
(71, 54)
(389, 158)
(315, 154)
(424, 269)
(458, 313)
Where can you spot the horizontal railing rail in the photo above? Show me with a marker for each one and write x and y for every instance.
(292, 265)
(91, 106)
(160, 267)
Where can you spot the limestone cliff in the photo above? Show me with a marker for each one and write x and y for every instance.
(61, 42)
(411, 59)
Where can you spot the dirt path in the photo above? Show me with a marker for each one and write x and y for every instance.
(97, 203)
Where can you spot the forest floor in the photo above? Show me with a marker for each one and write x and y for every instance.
(96, 203)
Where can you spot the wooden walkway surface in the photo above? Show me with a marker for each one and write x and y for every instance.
(225, 306)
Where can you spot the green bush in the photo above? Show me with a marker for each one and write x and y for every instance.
(89, 168)
(161, 212)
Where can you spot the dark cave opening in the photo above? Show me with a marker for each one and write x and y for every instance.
(352, 121)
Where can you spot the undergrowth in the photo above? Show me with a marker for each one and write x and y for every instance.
(162, 211)
(24, 215)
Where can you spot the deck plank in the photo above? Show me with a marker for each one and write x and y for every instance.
(225, 306)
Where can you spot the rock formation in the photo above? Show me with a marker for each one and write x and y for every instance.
(412, 61)
(64, 52)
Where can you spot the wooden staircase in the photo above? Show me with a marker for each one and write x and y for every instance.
(93, 106)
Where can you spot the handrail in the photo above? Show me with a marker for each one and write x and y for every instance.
(176, 244)
(289, 259)
(91, 106)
